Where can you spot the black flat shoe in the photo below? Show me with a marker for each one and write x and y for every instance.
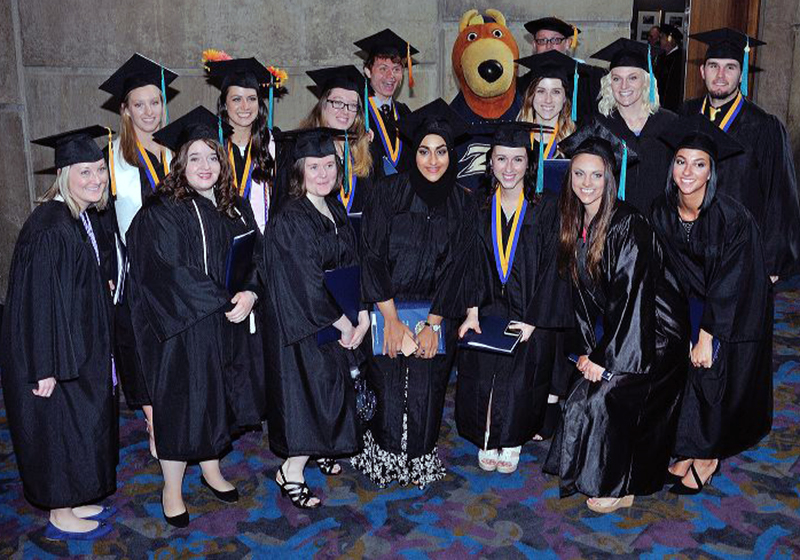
(682, 490)
(228, 496)
(180, 521)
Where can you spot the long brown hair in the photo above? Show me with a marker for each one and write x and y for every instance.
(359, 146)
(571, 210)
(127, 133)
(528, 114)
(177, 187)
(264, 165)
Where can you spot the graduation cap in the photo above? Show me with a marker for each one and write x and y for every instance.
(75, 146)
(729, 43)
(672, 31)
(138, 71)
(197, 124)
(243, 72)
(389, 43)
(699, 133)
(310, 142)
(553, 24)
(434, 118)
(625, 52)
(555, 64)
(517, 134)
(598, 140)
(345, 77)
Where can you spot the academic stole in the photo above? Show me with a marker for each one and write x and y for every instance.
(245, 185)
(504, 252)
(149, 168)
(392, 151)
(552, 146)
(348, 197)
(731, 115)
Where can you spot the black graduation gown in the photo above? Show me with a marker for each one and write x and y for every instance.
(728, 407)
(310, 391)
(763, 179)
(414, 252)
(127, 362)
(534, 294)
(377, 148)
(57, 323)
(646, 179)
(616, 436)
(669, 70)
(360, 194)
(205, 375)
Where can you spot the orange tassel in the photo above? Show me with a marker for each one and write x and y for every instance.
(111, 176)
(574, 37)
(410, 72)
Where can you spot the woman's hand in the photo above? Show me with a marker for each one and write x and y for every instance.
(589, 369)
(470, 323)
(360, 330)
(525, 328)
(45, 387)
(347, 329)
(702, 353)
(393, 333)
(428, 339)
(243, 304)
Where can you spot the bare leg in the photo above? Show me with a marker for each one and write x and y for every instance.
(680, 468)
(705, 469)
(172, 494)
(214, 477)
(148, 417)
(64, 519)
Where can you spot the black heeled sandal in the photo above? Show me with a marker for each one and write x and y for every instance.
(682, 490)
(327, 466)
(298, 492)
(673, 478)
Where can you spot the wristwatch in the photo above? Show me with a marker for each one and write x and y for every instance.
(434, 328)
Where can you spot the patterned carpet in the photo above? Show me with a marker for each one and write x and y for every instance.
(751, 511)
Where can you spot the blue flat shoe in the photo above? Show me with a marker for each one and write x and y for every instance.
(107, 513)
(53, 533)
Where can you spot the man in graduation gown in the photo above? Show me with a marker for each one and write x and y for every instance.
(387, 55)
(551, 33)
(669, 68)
(763, 177)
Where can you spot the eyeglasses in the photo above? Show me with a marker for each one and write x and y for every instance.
(550, 41)
(339, 105)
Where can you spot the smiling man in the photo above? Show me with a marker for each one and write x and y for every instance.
(386, 57)
(763, 177)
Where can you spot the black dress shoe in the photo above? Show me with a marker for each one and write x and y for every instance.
(683, 490)
(180, 521)
(229, 496)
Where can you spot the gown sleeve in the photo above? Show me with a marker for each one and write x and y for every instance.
(376, 277)
(628, 344)
(296, 278)
(255, 281)
(176, 293)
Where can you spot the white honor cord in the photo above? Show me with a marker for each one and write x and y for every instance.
(252, 323)
(203, 233)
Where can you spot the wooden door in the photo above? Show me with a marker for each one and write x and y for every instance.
(705, 15)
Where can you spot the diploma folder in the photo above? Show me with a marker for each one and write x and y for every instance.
(239, 261)
(493, 336)
(696, 308)
(344, 284)
(410, 313)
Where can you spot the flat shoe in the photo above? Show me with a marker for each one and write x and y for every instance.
(614, 505)
(508, 460)
(487, 459)
(108, 512)
(227, 496)
(53, 533)
(180, 521)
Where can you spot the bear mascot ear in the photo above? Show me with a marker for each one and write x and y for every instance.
(483, 61)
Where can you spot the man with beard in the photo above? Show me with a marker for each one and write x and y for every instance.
(763, 177)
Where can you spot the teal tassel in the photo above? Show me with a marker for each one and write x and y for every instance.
(540, 165)
(271, 101)
(574, 114)
(164, 94)
(652, 78)
(623, 172)
(346, 180)
(366, 105)
(219, 131)
(745, 68)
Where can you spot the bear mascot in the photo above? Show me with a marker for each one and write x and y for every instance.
(483, 58)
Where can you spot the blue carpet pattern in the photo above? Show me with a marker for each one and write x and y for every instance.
(752, 510)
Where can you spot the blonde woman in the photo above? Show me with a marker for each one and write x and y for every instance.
(629, 107)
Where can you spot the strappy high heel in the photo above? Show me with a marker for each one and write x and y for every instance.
(682, 490)
(298, 492)
(327, 466)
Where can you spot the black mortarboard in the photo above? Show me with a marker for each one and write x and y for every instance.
(434, 118)
(310, 142)
(510, 134)
(75, 146)
(138, 71)
(598, 140)
(699, 133)
(726, 43)
(197, 124)
(386, 42)
(551, 64)
(624, 52)
(242, 72)
(668, 29)
(345, 77)
(551, 24)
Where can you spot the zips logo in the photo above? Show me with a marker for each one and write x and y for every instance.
(473, 162)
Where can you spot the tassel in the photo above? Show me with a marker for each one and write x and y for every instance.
(271, 101)
(623, 172)
(574, 115)
(410, 71)
(652, 78)
(745, 68)
(164, 93)
(347, 165)
(540, 164)
(112, 177)
(219, 131)
(574, 42)
(366, 105)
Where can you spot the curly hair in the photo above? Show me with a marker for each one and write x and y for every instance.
(297, 187)
(528, 114)
(360, 148)
(264, 165)
(176, 186)
(608, 104)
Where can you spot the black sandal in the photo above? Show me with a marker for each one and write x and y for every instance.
(327, 466)
(682, 490)
(298, 492)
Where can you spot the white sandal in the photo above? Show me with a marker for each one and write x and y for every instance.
(487, 459)
(508, 460)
